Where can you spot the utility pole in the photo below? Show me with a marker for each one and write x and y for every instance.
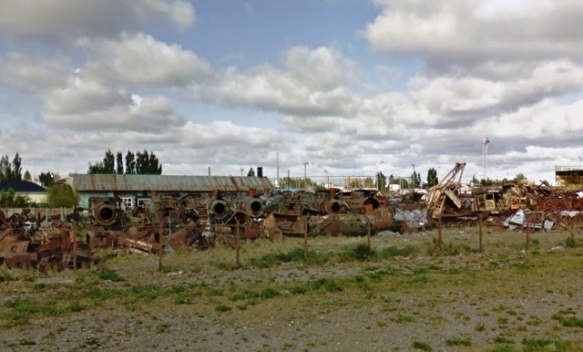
(305, 175)
(485, 156)
(414, 176)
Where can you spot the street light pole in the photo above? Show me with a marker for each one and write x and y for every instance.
(327, 181)
(485, 156)
(378, 176)
(413, 177)
(305, 176)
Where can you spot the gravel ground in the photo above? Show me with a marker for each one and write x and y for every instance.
(464, 302)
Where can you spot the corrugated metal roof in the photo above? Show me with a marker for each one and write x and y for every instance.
(167, 183)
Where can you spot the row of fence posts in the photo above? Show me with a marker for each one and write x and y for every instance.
(439, 243)
(238, 243)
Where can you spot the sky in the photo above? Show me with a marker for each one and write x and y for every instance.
(350, 87)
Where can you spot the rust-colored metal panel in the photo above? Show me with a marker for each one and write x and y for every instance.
(168, 183)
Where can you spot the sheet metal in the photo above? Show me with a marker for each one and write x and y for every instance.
(168, 183)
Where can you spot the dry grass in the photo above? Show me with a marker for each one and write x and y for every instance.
(401, 294)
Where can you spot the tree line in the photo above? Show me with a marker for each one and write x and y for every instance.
(140, 163)
(63, 195)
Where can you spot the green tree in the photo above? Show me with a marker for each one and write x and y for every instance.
(147, 163)
(11, 170)
(432, 179)
(416, 179)
(9, 199)
(119, 163)
(130, 163)
(475, 180)
(5, 168)
(16, 168)
(27, 176)
(144, 163)
(520, 177)
(61, 196)
(381, 181)
(46, 179)
(486, 182)
(368, 182)
(107, 166)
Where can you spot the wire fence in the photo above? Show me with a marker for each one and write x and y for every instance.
(348, 182)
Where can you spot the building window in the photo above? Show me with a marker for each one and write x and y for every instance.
(128, 203)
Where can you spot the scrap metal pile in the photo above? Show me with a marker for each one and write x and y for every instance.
(510, 204)
(42, 238)
(61, 239)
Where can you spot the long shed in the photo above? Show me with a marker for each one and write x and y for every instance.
(133, 188)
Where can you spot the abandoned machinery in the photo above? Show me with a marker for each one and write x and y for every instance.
(44, 238)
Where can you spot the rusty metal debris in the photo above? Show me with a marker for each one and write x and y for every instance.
(60, 239)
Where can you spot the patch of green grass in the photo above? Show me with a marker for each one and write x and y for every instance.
(503, 349)
(502, 339)
(269, 293)
(295, 255)
(39, 286)
(5, 275)
(146, 292)
(109, 275)
(403, 319)
(22, 309)
(458, 342)
(480, 327)
(298, 289)
(26, 342)
(245, 294)
(360, 252)
(221, 308)
(161, 328)
(572, 322)
(272, 259)
(420, 271)
(534, 345)
(329, 285)
(423, 346)
(393, 251)
(215, 292)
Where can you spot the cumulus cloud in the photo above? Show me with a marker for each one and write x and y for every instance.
(87, 106)
(60, 20)
(314, 82)
(449, 33)
(141, 59)
(457, 97)
(33, 73)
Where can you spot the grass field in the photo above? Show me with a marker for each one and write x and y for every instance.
(401, 294)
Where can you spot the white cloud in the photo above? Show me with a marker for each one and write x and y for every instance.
(83, 96)
(141, 59)
(33, 73)
(90, 106)
(450, 95)
(58, 20)
(449, 33)
(315, 83)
